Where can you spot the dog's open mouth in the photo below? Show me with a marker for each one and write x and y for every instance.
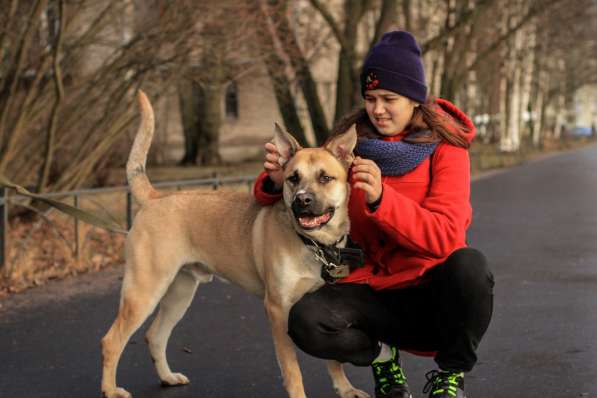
(311, 221)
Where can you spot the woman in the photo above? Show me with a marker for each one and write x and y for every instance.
(421, 289)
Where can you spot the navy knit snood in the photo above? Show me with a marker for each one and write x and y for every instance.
(394, 158)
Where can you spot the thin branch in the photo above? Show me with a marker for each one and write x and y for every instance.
(535, 10)
(14, 76)
(49, 152)
(329, 18)
(462, 20)
(10, 17)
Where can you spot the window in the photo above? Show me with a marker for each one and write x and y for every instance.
(231, 100)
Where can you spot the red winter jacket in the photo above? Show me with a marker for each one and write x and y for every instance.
(422, 218)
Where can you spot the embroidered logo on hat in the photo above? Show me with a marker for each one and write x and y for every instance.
(371, 82)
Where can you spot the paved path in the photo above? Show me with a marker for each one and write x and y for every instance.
(537, 223)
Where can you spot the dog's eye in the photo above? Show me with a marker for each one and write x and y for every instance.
(324, 179)
(293, 179)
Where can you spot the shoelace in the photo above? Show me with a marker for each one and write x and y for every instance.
(442, 382)
(391, 370)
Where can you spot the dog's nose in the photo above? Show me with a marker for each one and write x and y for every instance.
(304, 199)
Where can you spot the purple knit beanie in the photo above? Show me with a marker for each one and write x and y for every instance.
(394, 64)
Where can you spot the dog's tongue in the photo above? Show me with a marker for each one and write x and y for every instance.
(312, 222)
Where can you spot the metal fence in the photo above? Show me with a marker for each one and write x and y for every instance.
(5, 200)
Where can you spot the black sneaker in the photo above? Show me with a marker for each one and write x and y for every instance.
(444, 384)
(390, 381)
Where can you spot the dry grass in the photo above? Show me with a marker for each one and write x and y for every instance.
(44, 249)
(41, 247)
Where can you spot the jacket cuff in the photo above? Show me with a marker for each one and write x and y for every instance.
(263, 197)
(269, 186)
(372, 207)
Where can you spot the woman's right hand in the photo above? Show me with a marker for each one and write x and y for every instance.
(272, 165)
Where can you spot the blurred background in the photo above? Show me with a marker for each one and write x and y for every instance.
(220, 73)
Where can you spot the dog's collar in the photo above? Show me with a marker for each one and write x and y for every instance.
(336, 262)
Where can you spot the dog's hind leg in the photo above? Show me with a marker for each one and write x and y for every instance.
(171, 310)
(341, 384)
(141, 291)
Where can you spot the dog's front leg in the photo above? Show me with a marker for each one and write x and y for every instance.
(285, 352)
(341, 383)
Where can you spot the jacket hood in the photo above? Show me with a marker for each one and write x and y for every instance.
(445, 107)
(453, 111)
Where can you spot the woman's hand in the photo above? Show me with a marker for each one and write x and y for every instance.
(368, 178)
(272, 165)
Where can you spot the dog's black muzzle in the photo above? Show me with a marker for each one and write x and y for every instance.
(303, 204)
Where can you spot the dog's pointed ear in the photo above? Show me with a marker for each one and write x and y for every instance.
(285, 143)
(342, 145)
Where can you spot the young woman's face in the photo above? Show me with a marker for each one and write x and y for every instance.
(389, 112)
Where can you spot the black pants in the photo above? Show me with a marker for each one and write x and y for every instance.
(448, 314)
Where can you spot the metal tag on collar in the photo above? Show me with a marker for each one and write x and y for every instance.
(338, 271)
(330, 272)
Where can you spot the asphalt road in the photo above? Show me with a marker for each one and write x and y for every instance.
(537, 224)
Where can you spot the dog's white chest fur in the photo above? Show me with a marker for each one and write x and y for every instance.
(303, 267)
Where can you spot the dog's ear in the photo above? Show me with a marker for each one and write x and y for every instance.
(286, 144)
(342, 145)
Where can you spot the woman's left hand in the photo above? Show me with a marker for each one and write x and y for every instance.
(368, 178)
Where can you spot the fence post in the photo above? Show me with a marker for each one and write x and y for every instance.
(216, 182)
(77, 242)
(129, 210)
(3, 227)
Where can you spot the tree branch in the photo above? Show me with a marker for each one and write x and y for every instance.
(327, 16)
(535, 10)
(14, 75)
(51, 134)
(462, 20)
(387, 15)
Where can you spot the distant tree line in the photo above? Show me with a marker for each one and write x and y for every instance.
(69, 69)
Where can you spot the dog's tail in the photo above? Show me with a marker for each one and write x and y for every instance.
(139, 184)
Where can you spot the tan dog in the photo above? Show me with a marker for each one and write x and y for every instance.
(178, 240)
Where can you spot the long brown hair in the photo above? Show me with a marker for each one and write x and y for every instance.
(426, 117)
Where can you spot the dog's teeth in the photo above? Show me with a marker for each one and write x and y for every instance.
(314, 221)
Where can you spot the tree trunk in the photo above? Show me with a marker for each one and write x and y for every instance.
(285, 100)
(527, 65)
(537, 95)
(189, 98)
(447, 81)
(537, 125)
(347, 87)
(210, 117)
(407, 14)
(276, 69)
(301, 68)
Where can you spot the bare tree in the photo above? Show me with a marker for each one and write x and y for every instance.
(52, 56)
(223, 35)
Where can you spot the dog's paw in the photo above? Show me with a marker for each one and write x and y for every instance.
(117, 393)
(353, 393)
(175, 379)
